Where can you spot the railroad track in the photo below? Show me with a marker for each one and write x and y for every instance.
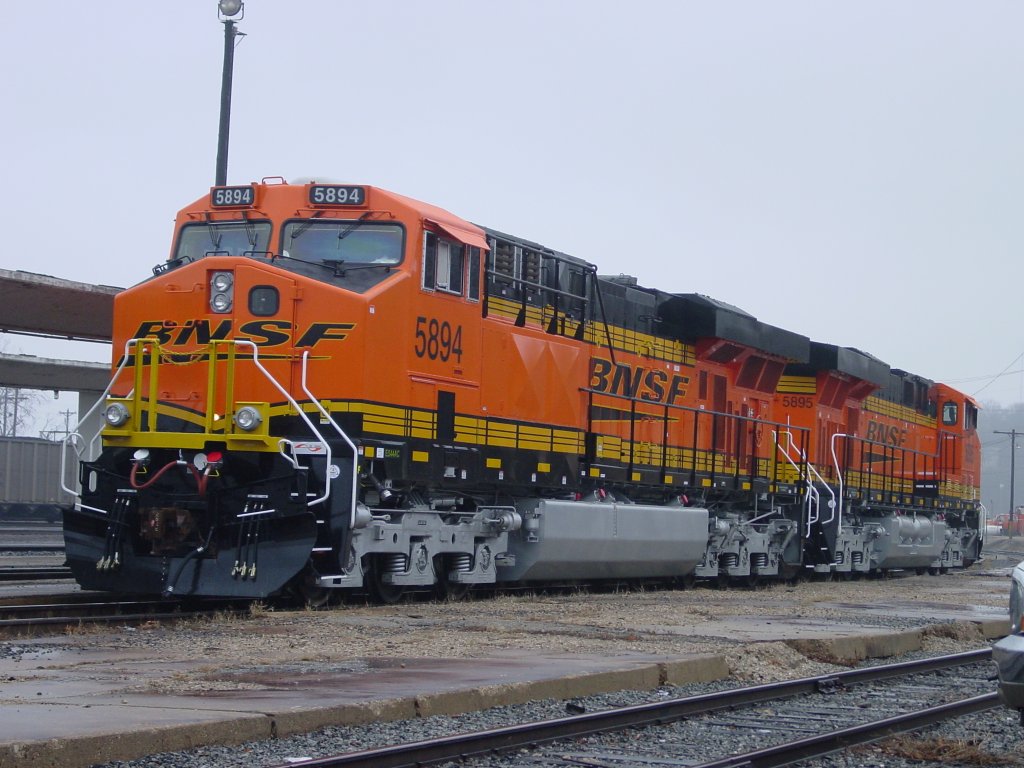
(1010, 554)
(22, 619)
(579, 735)
(30, 547)
(34, 573)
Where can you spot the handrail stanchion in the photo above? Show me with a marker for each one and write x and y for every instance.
(326, 414)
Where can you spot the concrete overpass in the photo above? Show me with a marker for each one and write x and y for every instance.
(40, 305)
(51, 307)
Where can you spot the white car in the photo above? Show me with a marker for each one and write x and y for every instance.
(1008, 653)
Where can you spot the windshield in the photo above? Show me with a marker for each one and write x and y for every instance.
(346, 242)
(234, 238)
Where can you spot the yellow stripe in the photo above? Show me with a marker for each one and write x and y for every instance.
(799, 385)
(597, 334)
(876, 404)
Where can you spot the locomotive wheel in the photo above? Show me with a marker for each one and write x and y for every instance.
(317, 597)
(382, 592)
(313, 595)
(451, 590)
(794, 574)
(446, 589)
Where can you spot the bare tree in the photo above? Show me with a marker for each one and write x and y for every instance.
(18, 409)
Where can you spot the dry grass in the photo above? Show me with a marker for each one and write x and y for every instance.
(940, 750)
(956, 630)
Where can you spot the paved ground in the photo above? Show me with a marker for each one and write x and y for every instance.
(120, 693)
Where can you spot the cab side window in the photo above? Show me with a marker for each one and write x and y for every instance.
(970, 416)
(451, 267)
(949, 413)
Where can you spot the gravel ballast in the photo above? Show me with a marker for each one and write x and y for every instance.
(212, 656)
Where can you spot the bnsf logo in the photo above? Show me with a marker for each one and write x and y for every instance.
(646, 384)
(263, 333)
(880, 433)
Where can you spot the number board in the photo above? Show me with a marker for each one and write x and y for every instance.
(335, 194)
(232, 197)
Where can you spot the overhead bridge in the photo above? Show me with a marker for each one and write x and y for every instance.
(51, 307)
(40, 305)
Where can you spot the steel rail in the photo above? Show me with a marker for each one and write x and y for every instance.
(87, 607)
(123, 618)
(35, 573)
(22, 618)
(835, 741)
(532, 734)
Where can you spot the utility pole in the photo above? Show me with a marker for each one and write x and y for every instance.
(226, 9)
(1013, 455)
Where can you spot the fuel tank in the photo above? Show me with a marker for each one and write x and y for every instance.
(603, 540)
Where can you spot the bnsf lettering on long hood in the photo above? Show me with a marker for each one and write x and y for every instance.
(263, 333)
(637, 381)
(890, 435)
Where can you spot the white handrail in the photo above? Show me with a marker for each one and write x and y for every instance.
(73, 437)
(295, 405)
(831, 493)
(340, 431)
(839, 474)
(812, 491)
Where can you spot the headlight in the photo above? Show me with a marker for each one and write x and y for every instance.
(248, 418)
(221, 281)
(220, 302)
(116, 414)
(222, 291)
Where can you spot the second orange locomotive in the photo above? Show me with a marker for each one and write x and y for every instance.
(332, 386)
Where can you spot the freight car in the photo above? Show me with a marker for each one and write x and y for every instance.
(332, 387)
(30, 470)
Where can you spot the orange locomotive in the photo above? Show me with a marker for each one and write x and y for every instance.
(331, 387)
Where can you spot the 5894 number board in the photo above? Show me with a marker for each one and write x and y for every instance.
(336, 194)
(232, 197)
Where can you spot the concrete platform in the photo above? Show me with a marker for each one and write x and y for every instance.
(72, 701)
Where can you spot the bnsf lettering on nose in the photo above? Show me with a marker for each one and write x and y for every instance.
(890, 435)
(263, 333)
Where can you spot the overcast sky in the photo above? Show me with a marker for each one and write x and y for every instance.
(849, 171)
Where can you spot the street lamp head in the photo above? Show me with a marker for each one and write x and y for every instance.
(229, 8)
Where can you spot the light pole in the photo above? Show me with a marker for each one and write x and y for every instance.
(1013, 455)
(226, 11)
